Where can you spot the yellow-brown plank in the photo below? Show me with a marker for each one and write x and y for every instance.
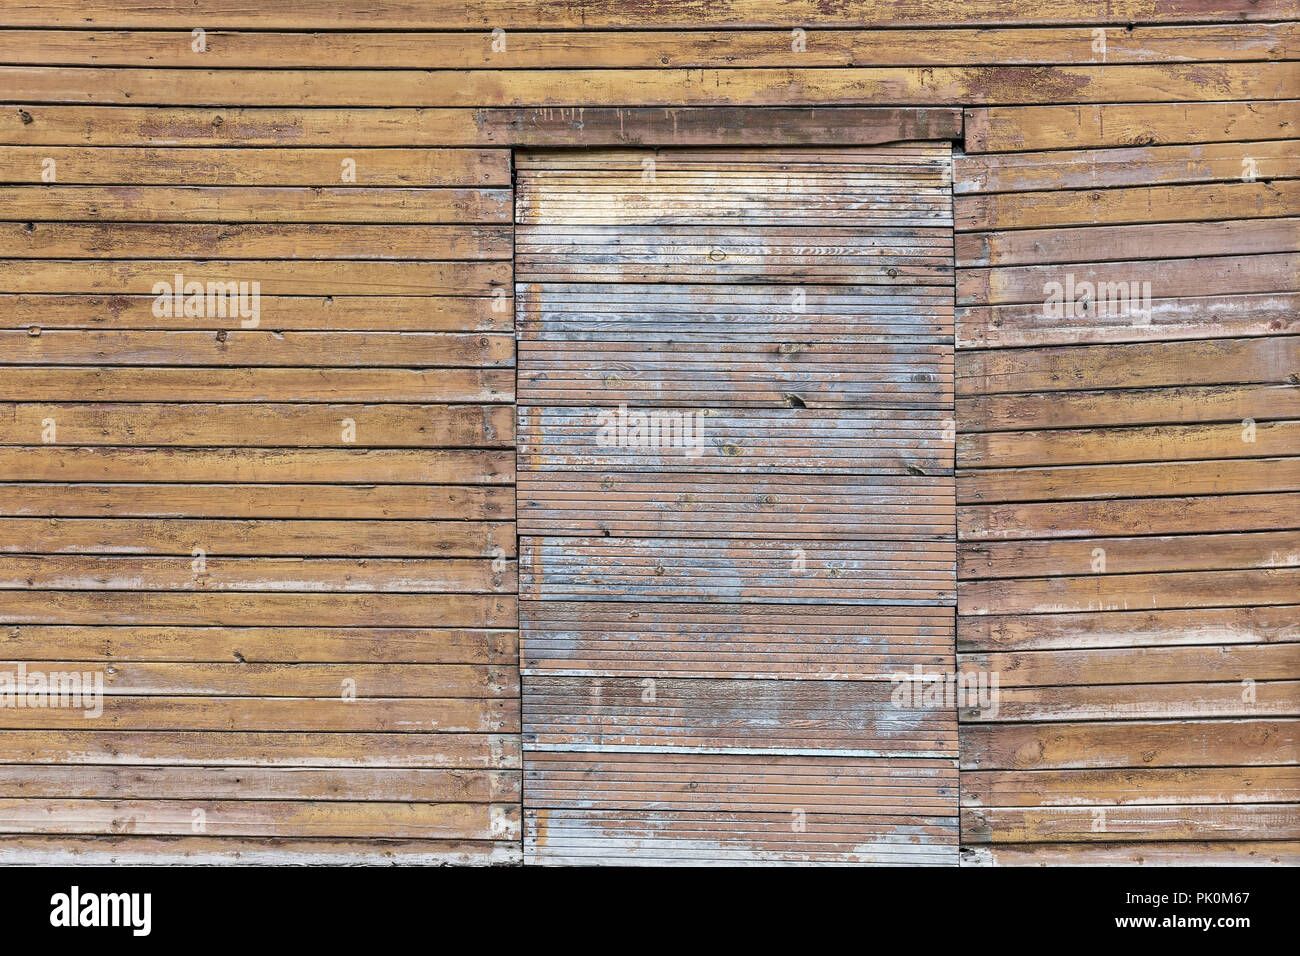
(1006, 128)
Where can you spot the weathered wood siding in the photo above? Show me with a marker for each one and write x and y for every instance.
(736, 506)
(1127, 484)
(1105, 139)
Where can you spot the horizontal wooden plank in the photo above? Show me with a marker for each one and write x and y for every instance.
(1099, 482)
(338, 204)
(811, 86)
(1132, 516)
(850, 718)
(169, 748)
(214, 609)
(683, 311)
(1089, 244)
(260, 783)
(642, 49)
(1130, 406)
(790, 440)
(719, 374)
(267, 425)
(1126, 287)
(292, 644)
(1133, 166)
(1135, 204)
(680, 838)
(829, 507)
(1079, 446)
(1121, 592)
(253, 347)
(1134, 787)
(1029, 825)
(1217, 627)
(244, 679)
(278, 277)
(310, 465)
(278, 714)
(737, 782)
(135, 500)
(162, 166)
(1131, 743)
(21, 850)
(1168, 853)
(440, 14)
(263, 818)
(807, 641)
(1187, 552)
(1258, 662)
(301, 313)
(79, 572)
(732, 571)
(290, 538)
(1183, 317)
(1237, 698)
(145, 240)
(189, 381)
(594, 126)
(1007, 128)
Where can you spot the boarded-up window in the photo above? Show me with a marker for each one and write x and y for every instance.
(736, 505)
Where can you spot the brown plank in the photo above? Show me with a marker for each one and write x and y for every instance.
(1029, 825)
(1006, 128)
(390, 426)
(1136, 204)
(1084, 446)
(1134, 787)
(1126, 287)
(1168, 853)
(263, 818)
(256, 203)
(595, 126)
(1183, 515)
(1107, 243)
(260, 783)
(387, 575)
(642, 49)
(244, 679)
(1217, 627)
(440, 14)
(1166, 478)
(213, 609)
(1129, 406)
(812, 86)
(1258, 662)
(292, 644)
(82, 850)
(278, 277)
(1120, 592)
(310, 465)
(267, 714)
(1136, 166)
(301, 313)
(411, 502)
(196, 383)
(1189, 317)
(168, 748)
(162, 166)
(1132, 743)
(139, 240)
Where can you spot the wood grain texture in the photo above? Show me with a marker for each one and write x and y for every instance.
(709, 642)
(1148, 704)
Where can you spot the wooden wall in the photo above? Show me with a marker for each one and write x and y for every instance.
(372, 561)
